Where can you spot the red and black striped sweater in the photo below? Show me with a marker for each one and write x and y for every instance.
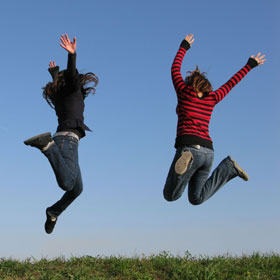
(194, 113)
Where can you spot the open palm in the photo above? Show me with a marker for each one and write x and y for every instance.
(259, 58)
(190, 39)
(67, 44)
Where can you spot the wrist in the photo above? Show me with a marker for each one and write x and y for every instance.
(185, 44)
(252, 62)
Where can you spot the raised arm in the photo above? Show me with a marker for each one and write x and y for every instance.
(234, 80)
(176, 75)
(70, 47)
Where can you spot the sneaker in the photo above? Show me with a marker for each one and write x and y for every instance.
(183, 162)
(241, 172)
(50, 222)
(39, 141)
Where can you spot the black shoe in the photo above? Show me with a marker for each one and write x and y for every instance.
(39, 141)
(241, 172)
(50, 222)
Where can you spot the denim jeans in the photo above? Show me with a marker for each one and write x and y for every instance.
(201, 187)
(63, 157)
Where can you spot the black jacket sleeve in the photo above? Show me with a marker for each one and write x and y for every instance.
(54, 71)
(71, 65)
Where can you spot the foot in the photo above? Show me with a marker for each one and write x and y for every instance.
(241, 173)
(182, 164)
(50, 222)
(40, 141)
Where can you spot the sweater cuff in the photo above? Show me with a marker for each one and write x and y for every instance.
(185, 44)
(54, 71)
(252, 62)
(72, 54)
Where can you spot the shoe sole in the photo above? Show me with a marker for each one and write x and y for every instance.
(30, 140)
(242, 173)
(183, 162)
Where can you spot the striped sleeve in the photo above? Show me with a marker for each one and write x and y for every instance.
(176, 75)
(221, 93)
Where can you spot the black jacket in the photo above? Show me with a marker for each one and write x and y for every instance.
(69, 102)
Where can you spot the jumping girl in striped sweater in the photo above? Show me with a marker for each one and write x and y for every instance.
(194, 155)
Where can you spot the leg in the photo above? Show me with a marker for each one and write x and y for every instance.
(55, 210)
(63, 157)
(176, 183)
(201, 188)
(69, 196)
(199, 178)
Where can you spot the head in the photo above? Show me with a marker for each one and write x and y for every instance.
(198, 81)
(86, 81)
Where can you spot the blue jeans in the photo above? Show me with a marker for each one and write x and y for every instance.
(201, 187)
(63, 157)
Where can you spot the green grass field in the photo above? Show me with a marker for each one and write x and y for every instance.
(161, 267)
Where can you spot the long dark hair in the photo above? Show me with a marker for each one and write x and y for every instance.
(198, 81)
(51, 89)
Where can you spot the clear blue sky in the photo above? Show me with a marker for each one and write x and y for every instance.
(130, 45)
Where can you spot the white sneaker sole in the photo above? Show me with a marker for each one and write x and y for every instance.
(182, 164)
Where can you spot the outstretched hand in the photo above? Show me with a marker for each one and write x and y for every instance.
(67, 44)
(52, 64)
(259, 58)
(189, 38)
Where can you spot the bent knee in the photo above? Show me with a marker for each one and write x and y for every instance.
(77, 191)
(195, 200)
(169, 196)
(66, 184)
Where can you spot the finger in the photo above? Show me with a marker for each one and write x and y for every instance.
(74, 40)
(63, 39)
(191, 37)
(67, 38)
(63, 46)
(188, 39)
(62, 43)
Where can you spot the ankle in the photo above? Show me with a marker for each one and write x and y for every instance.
(47, 146)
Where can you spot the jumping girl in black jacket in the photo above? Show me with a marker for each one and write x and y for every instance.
(66, 95)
